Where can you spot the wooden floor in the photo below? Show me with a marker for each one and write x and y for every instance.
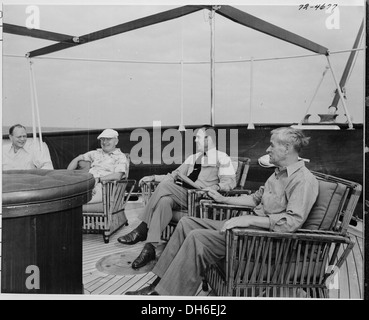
(99, 283)
(350, 283)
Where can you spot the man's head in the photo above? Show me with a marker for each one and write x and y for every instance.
(18, 136)
(205, 138)
(285, 145)
(109, 140)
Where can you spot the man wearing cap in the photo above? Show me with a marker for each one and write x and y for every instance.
(107, 163)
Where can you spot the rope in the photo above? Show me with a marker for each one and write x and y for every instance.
(35, 109)
(251, 125)
(181, 125)
(316, 91)
(179, 62)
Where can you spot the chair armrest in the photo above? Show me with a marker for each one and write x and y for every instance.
(124, 180)
(221, 211)
(235, 192)
(128, 181)
(301, 234)
(150, 183)
(227, 206)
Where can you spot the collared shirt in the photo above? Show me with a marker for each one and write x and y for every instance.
(103, 164)
(26, 158)
(216, 170)
(287, 197)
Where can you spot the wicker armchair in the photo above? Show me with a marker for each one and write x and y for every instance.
(109, 215)
(302, 264)
(194, 196)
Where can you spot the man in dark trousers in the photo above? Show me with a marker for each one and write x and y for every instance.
(208, 168)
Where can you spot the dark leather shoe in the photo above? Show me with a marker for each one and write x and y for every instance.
(147, 254)
(146, 291)
(132, 238)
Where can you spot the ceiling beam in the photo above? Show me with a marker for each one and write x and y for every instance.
(121, 28)
(36, 33)
(255, 23)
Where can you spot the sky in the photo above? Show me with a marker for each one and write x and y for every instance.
(132, 79)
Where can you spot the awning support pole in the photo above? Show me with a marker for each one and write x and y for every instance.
(212, 65)
(339, 90)
(35, 109)
(251, 124)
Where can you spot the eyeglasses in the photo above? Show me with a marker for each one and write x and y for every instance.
(106, 139)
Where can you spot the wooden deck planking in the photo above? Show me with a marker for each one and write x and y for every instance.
(99, 283)
(118, 284)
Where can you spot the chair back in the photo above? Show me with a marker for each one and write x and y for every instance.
(242, 166)
(335, 205)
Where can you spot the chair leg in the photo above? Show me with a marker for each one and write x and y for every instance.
(205, 285)
(106, 238)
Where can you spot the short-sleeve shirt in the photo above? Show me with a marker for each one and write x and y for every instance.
(103, 164)
(27, 158)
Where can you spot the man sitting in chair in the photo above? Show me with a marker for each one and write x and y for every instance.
(21, 155)
(107, 163)
(209, 168)
(281, 205)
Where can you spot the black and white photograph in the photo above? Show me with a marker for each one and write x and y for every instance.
(207, 151)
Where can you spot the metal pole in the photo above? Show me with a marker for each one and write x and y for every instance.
(251, 125)
(32, 100)
(341, 95)
(181, 126)
(212, 73)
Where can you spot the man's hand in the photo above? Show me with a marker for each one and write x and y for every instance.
(146, 179)
(237, 222)
(216, 196)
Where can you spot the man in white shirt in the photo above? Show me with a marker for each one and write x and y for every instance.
(107, 163)
(22, 155)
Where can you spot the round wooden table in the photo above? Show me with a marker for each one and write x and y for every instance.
(42, 230)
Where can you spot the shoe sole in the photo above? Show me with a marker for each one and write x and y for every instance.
(131, 243)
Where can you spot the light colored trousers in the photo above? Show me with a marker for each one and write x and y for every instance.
(194, 244)
(97, 195)
(159, 209)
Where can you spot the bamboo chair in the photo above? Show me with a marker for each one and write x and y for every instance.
(108, 216)
(194, 196)
(302, 264)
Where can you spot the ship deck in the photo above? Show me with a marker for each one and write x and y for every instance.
(98, 282)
